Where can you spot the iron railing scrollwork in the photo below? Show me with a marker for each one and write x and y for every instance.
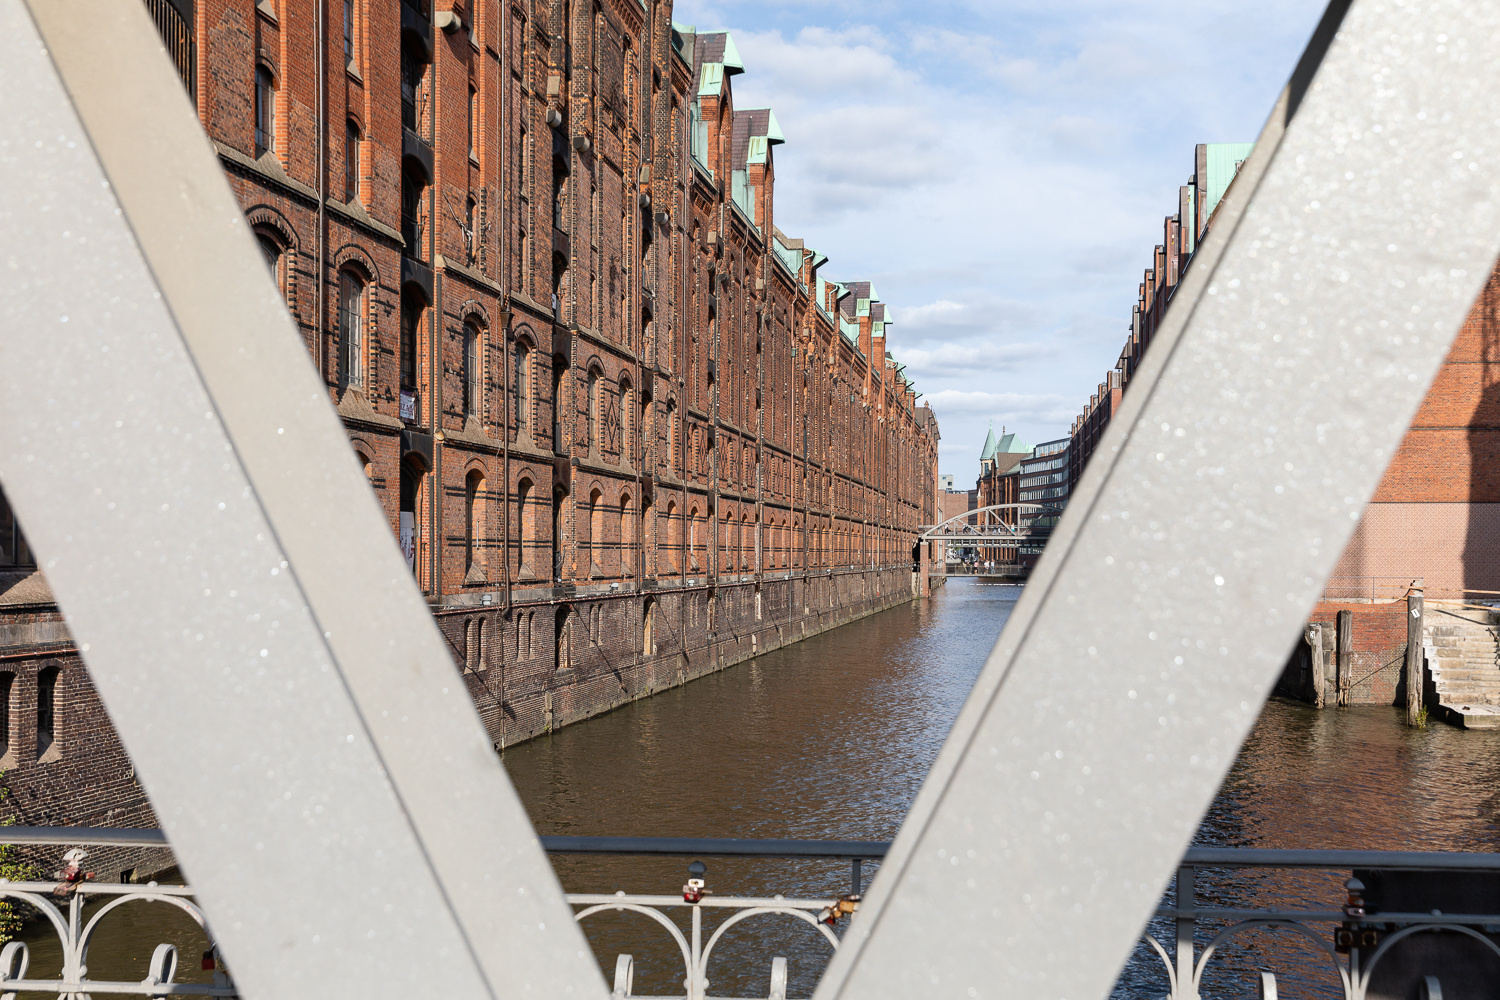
(1353, 943)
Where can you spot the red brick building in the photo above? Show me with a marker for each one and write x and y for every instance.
(623, 427)
(1436, 515)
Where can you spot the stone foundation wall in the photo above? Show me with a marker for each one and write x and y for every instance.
(547, 661)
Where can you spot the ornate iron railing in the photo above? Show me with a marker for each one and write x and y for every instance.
(1355, 937)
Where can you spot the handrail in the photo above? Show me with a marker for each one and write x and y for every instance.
(733, 847)
(718, 847)
(102, 836)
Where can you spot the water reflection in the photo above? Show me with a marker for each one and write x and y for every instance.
(830, 738)
(827, 739)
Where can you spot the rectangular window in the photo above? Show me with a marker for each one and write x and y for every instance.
(351, 331)
(349, 32)
(7, 684)
(523, 400)
(46, 709)
(265, 110)
(13, 548)
(411, 316)
(473, 123)
(471, 370)
(351, 164)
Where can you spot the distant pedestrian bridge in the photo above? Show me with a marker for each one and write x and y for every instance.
(998, 523)
(1000, 542)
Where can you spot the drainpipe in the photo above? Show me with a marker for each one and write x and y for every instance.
(503, 274)
(320, 302)
(643, 124)
(434, 344)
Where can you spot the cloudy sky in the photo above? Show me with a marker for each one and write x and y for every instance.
(1000, 169)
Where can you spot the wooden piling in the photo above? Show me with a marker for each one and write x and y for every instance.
(1345, 654)
(1414, 613)
(1313, 633)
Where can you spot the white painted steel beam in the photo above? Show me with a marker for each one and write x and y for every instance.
(1341, 263)
(272, 667)
(233, 585)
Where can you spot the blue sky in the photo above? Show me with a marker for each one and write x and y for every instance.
(1001, 170)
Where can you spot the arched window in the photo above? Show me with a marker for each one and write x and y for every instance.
(524, 532)
(523, 388)
(473, 526)
(46, 709)
(674, 539)
(351, 330)
(627, 537)
(265, 110)
(351, 162)
(595, 439)
(272, 252)
(672, 437)
(596, 533)
(562, 651)
(473, 357)
(693, 563)
(413, 84)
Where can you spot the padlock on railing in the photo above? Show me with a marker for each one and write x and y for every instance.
(693, 891)
(842, 907)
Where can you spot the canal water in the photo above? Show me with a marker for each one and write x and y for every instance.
(830, 739)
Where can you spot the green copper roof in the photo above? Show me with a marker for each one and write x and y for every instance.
(1224, 159)
(773, 129)
(988, 451)
(732, 62)
(1011, 444)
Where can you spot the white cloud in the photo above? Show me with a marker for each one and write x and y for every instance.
(968, 359)
(1000, 169)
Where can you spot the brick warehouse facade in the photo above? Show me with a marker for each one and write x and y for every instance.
(1434, 520)
(623, 428)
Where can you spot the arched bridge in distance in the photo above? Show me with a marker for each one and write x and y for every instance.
(998, 541)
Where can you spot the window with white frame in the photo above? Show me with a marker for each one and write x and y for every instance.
(351, 330)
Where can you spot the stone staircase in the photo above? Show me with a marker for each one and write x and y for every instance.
(1462, 646)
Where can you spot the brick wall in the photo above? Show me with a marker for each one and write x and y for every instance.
(588, 377)
(1376, 662)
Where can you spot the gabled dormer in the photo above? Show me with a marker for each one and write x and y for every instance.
(711, 111)
(756, 132)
